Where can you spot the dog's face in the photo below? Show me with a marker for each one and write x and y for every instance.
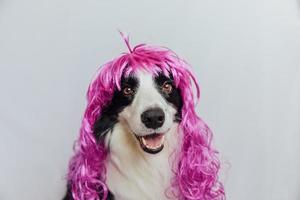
(149, 105)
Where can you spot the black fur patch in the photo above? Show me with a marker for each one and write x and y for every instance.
(174, 97)
(109, 116)
(68, 195)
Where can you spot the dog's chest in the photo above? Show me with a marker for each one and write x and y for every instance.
(138, 179)
(134, 175)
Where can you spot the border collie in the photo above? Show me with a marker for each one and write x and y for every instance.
(141, 137)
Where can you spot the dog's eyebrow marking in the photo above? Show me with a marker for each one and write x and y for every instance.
(130, 80)
(160, 79)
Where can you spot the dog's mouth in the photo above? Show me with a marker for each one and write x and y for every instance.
(152, 143)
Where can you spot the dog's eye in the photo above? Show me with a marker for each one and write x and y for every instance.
(128, 91)
(167, 87)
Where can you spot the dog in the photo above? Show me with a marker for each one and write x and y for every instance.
(141, 137)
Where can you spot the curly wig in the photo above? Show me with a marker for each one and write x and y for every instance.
(195, 175)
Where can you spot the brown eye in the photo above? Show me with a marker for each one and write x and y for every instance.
(167, 88)
(128, 91)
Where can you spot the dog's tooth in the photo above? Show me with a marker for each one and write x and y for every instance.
(144, 141)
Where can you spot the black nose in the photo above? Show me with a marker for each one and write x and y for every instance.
(153, 118)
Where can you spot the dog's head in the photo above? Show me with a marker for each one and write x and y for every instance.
(148, 104)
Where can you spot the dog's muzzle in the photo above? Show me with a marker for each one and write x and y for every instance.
(152, 118)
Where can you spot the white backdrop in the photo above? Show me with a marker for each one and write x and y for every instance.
(246, 55)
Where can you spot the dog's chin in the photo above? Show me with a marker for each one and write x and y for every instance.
(152, 143)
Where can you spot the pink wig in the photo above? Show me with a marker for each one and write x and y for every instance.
(196, 174)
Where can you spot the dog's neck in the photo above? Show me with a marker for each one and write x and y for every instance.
(134, 174)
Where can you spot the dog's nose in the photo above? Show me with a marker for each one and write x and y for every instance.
(153, 118)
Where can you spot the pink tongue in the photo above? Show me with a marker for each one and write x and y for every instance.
(153, 141)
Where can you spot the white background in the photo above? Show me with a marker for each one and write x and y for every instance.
(246, 55)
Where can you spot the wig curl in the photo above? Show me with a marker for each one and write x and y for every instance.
(195, 175)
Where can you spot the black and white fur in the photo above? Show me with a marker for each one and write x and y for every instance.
(133, 172)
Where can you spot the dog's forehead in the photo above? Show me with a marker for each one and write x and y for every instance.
(144, 77)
